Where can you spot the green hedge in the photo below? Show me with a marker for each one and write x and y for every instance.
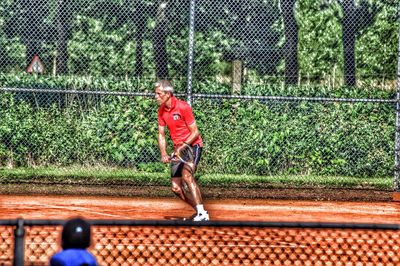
(241, 136)
(297, 138)
(111, 131)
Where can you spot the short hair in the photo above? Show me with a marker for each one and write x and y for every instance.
(76, 234)
(165, 85)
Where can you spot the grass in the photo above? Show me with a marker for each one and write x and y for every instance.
(104, 175)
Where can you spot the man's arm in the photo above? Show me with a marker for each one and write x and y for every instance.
(194, 133)
(162, 144)
(191, 124)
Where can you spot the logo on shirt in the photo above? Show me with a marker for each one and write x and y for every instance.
(176, 116)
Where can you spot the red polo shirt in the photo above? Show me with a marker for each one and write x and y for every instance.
(177, 119)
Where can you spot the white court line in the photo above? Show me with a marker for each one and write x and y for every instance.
(360, 209)
(82, 209)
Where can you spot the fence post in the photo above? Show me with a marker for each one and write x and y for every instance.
(190, 53)
(397, 134)
(19, 234)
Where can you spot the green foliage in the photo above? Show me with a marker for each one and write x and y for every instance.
(241, 136)
(24, 80)
(209, 54)
(102, 38)
(320, 39)
(123, 130)
(38, 137)
(11, 50)
(38, 129)
(96, 50)
(376, 45)
(298, 137)
(321, 44)
(269, 138)
(105, 176)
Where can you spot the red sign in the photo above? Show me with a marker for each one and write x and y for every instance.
(36, 66)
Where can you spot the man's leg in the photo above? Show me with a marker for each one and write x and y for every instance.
(179, 189)
(194, 191)
(185, 186)
(192, 186)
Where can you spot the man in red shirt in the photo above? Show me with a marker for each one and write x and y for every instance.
(177, 115)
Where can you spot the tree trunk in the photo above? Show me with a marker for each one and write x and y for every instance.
(32, 49)
(33, 18)
(63, 20)
(159, 41)
(290, 48)
(349, 40)
(140, 29)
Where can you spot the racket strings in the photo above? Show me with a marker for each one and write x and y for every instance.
(187, 155)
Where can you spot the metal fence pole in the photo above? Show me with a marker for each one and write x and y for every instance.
(190, 53)
(397, 135)
(19, 234)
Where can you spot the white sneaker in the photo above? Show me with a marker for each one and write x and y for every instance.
(203, 216)
(190, 218)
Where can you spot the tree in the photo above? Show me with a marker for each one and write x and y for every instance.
(64, 21)
(250, 24)
(291, 41)
(5, 57)
(355, 18)
(159, 40)
(29, 23)
(140, 23)
(36, 32)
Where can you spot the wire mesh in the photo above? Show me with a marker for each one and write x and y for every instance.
(218, 245)
(298, 137)
(329, 42)
(6, 245)
(108, 49)
(57, 135)
(41, 243)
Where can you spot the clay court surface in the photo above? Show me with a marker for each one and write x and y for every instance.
(227, 245)
(139, 208)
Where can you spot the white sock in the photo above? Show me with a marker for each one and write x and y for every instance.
(200, 208)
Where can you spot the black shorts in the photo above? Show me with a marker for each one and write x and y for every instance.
(177, 166)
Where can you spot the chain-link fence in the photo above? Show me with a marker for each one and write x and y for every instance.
(318, 41)
(214, 243)
(272, 140)
(291, 138)
(285, 92)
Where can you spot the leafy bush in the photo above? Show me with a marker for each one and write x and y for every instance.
(241, 136)
(253, 137)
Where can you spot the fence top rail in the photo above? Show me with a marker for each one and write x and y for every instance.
(310, 225)
(67, 91)
(202, 96)
(294, 98)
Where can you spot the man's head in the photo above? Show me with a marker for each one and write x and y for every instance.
(163, 91)
(76, 234)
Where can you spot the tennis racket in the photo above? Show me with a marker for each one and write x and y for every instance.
(186, 156)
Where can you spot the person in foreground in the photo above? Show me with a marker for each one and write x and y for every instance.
(75, 240)
(177, 115)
